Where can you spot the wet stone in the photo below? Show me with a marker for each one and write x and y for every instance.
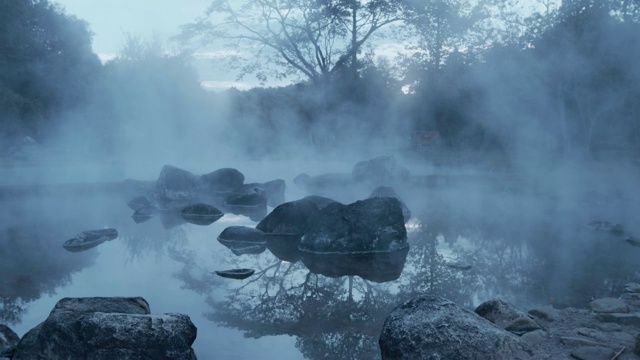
(535, 337)
(523, 325)
(8, 340)
(579, 341)
(592, 353)
(632, 287)
(547, 313)
(609, 305)
(632, 319)
(499, 312)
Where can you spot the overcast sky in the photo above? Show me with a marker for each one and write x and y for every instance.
(111, 19)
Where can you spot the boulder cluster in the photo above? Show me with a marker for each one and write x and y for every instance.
(429, 327)
(103, 328)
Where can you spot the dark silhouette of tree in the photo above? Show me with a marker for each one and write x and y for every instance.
(308, 38)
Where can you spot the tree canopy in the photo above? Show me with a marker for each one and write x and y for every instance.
(312, 39)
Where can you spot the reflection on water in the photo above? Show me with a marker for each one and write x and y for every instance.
(311, 307)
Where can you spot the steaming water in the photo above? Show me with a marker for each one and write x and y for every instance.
(523, 242)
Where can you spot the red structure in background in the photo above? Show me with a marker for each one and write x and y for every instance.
(422, 140)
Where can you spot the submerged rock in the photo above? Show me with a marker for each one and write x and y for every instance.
(371, 225)
(139, 203)
(377, 267)
(609, 305)
(381, 170)
(433, 328)
(606, 226)
(253, 197)
(108, 328)
(274, 191)
(201, 214)
(239, 274)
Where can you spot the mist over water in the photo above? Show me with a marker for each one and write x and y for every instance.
(535, 140)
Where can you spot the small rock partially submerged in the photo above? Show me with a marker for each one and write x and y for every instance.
(242, 240)
(606, 226)
(201, 214)
(89, 239)
(239, 274)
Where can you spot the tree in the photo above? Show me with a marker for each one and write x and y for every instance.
(309, 38)
(46, 64)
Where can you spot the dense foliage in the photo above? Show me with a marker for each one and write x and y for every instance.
(46, 65)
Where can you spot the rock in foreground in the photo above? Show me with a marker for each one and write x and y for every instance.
(108, 328)
(433, 328)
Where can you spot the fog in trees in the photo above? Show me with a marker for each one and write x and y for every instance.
(519, 121)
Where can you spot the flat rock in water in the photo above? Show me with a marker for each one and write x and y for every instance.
(609, 305)
(433, 328)
(523, 325)
(239, 274)
(89, 239)
(242, 234)
(201, 214)
(108, 328)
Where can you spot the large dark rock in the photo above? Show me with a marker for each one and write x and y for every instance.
(433, 328)
(388, 191)
(223, 180)
(177, 184)
(320, 201)
(289, 218)
(371, 225)
(381, 170)
(108, 328)
(8, 340)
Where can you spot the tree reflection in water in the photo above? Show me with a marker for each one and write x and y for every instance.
(527, 259)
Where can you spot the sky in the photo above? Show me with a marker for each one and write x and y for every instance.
(110, 20)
